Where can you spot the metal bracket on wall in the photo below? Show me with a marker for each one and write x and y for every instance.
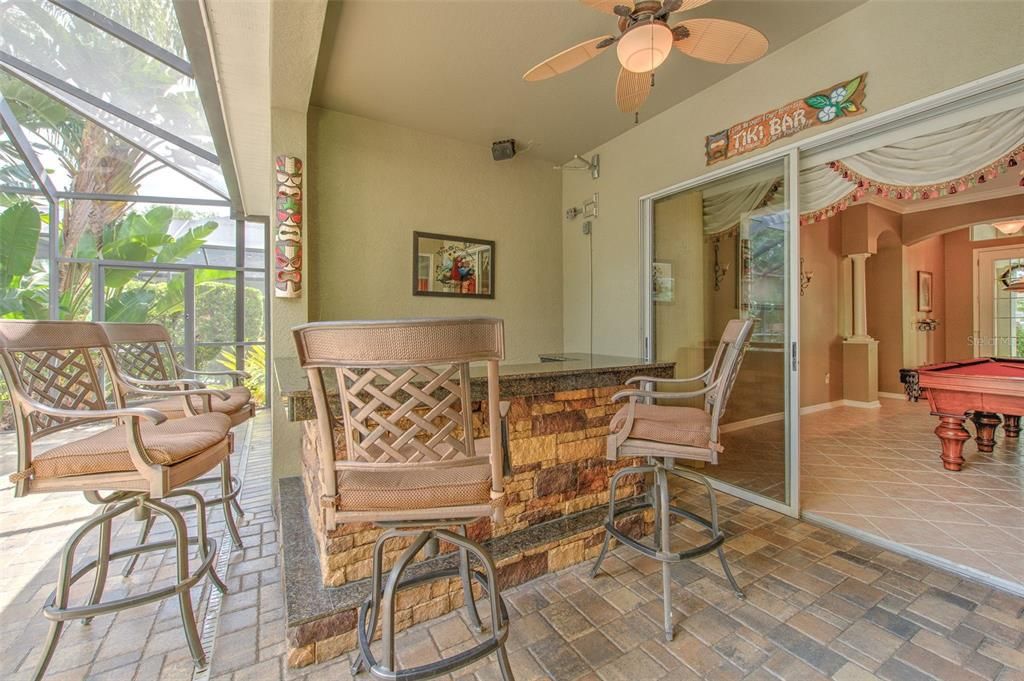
(589, 209)
(577, 162)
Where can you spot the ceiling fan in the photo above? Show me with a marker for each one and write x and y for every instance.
(645, 40)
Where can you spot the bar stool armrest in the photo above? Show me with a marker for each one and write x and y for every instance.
(236, 376)
(654, 394)
(654, 379)
(30, 405)
(178, 384)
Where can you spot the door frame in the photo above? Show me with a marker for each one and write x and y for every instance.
(1000, 89)
(789, 158)
(976, 290)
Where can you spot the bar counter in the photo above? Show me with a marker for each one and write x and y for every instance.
(556, 373)
(556, 492)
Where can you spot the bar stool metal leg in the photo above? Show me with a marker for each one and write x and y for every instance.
(147, 518)
(663, 511)
(376, 586)
(188, 619)
(99, 580)
(664, 546)
(383, 600)
(230, 489)
(467, 586)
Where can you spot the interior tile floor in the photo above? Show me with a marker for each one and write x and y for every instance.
(819, 605)
(754, 458)
(878, 470)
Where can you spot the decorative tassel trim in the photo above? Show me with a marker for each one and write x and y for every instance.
(21, 475)
(734, 230)
(865, 185)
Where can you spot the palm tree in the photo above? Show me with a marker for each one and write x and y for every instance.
(94, 159)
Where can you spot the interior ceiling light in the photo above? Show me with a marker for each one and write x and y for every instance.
(645, 46)
(1008, 227)
(645, 40)
(1013, 278)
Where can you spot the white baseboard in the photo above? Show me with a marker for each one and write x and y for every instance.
(823, 406)
(862, 405)
(750, 423)
(809, 409)
(893, 396)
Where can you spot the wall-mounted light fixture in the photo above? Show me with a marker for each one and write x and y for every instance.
(805, 277)
(720, 270)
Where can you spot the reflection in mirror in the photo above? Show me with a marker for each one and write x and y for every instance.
(452, 266)
(719, 253)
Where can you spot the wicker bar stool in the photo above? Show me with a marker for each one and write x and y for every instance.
(147, 367)
(56, 374)
(664, 434)
(410, 463)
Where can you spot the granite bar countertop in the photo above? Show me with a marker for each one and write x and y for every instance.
(563, 371)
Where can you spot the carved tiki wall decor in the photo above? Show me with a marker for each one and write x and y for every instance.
(288, 246)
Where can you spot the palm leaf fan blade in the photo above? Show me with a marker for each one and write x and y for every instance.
(631, 90)
(721, 41)
(567, 60)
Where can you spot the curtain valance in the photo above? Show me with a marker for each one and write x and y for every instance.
(928, 166)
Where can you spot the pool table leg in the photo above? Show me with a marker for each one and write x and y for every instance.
(986, 423)
(1011, 425)
(952, 435)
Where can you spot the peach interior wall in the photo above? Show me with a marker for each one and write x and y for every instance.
(924, 347)
(958, 324)
(821, 341)
(885, 307)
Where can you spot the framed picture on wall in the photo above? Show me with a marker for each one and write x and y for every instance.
(663, 284)
(452, 266)
(924, 291)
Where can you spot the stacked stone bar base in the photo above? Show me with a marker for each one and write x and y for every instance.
(557, 448)
(322, 619)
(556, 499)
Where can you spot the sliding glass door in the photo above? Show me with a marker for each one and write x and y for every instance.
(724, 249)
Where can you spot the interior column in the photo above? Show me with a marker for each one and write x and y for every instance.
(860, 350)
(860, 294)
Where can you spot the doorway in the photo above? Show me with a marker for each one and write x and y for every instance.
(999, 303)
(721, 249)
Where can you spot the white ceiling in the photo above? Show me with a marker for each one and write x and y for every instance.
(454, 67)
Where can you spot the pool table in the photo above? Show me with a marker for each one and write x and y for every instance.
(979, 389)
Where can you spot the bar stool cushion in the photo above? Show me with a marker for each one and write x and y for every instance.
(408, 487)
(238, 399)
(169, 443)
(672, 425)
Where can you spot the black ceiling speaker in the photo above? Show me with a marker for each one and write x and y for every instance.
(502, 150)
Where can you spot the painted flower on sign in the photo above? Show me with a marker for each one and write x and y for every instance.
(838, 95)
(837, 103)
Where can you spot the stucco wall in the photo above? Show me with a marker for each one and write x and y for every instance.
(923, 347)
(958, 258)
(909, 50)
(377, 183)
(885, 308)
(821, 342)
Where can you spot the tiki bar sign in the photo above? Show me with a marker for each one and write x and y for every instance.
(288, 245)
(832, 103)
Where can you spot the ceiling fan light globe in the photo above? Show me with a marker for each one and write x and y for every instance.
(645, 46)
